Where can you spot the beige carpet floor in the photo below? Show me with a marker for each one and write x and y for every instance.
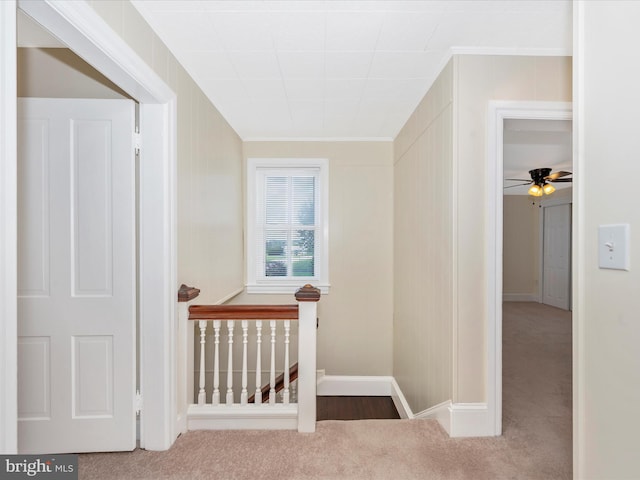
(536, 440)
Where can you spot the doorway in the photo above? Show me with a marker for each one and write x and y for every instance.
(536, 328)
(84, 32)
(499, 113)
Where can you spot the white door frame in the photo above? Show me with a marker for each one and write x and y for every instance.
(87, 34)
(8, 227)
(499, 111)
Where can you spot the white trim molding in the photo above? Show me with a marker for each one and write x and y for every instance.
(400, 401)
(80, 27)
(283, 289)
(520, 51)
(8, 235)
(345, 385)
(318, 139)
(243, 417)
(581, 239)
(461, 419)
(471, 420)
(498, 112)
(457, 419)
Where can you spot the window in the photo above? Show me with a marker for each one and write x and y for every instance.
(286, 224)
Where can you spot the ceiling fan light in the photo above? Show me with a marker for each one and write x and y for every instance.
(535, 190)
(548, 189)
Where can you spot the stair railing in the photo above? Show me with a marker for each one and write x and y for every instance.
(231, 407)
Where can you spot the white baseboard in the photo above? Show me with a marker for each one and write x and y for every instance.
(470, 420)
(243, 417)
(399, 400)
(520, 297)
(344, 385)
(458, 419)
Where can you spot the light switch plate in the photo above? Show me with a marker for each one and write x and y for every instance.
(613, 246)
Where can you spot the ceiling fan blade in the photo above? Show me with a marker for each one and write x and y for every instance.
(518, 185)
(519, 180)
(560, 180)
(555, 175)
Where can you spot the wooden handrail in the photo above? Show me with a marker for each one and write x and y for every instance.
(293, 376)
(307, 293)
(243, 312)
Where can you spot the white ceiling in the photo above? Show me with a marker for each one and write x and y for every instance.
(337, 69)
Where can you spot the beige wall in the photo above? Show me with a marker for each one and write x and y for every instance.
(521, 243)
(440, 211)
(209, 155)
(210, 253)
(60, 73)
(356, 332)
(606, 321)
(477, 80)
(423, 251)
(521, 246)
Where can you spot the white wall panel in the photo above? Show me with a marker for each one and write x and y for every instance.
(92, 223)
(33, 196)
(607, 330)
(423, 254)
(92, 376)
(34, 389)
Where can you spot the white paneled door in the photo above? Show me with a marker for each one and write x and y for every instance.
(76, 275)
(556, 281)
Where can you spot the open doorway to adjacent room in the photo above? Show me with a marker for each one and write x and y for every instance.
(536, 279)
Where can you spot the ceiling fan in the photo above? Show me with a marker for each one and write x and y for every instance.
(541, 179)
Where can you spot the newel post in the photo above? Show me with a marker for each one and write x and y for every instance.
(185, 353)
(307, 298)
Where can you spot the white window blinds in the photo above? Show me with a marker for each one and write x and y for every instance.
(287, 209)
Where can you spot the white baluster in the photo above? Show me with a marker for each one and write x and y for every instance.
(287, 330)
(230, 325)
(272, 370)
(215, 397)
(203, 328)
(258, 394)
(245, 341)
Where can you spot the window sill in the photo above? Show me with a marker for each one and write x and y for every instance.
(282, 289)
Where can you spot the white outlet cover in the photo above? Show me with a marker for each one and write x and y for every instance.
(613, 246)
